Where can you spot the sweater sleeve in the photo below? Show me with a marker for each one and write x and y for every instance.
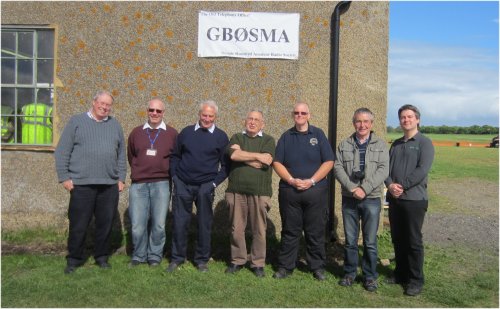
(175, 158)
(63, 151)
(122, 157)
(223, 159)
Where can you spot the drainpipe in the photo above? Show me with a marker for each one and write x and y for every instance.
(340, 8)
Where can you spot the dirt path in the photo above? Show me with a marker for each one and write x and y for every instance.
(470, 217)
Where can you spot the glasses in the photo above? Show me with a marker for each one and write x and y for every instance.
(300, 113)
(253, 119)
(152, 110)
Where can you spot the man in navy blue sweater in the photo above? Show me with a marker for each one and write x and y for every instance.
(197, 166)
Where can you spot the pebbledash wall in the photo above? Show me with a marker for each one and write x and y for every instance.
(138, 50)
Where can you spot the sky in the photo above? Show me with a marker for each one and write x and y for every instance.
(443, 58)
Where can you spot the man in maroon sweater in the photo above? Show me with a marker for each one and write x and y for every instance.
(149, 149)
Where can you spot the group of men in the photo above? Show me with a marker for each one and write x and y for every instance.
(91, 165)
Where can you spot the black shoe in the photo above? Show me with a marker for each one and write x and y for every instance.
(233, 268)
(392, 280)
(346, 281)
(153, 263)
(133, 263)
(203, 268)
(319, 274)
(413, 290)
(172, 267)
(259, 272)
(69, 269)
(104, 265)
(282, 273)
(370, 285)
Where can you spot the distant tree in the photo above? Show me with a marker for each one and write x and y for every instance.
(475, 129)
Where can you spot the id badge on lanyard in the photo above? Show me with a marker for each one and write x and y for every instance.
(152, 151)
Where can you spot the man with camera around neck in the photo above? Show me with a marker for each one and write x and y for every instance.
(361, 166)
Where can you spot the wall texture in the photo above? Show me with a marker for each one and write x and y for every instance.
(138, 50)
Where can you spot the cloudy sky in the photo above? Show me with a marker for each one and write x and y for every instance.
(443, 58)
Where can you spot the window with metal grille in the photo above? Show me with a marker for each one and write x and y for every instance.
(27, 85)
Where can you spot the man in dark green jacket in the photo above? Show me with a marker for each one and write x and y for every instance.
(249, 192)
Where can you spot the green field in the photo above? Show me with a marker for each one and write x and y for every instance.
(449, 137)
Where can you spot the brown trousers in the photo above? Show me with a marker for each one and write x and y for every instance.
(242, 207)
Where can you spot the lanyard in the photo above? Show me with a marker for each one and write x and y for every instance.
(153, 141)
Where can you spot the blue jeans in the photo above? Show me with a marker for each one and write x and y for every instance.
(368, 211)
(148, 204)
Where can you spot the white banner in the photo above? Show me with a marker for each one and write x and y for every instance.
(248, 35)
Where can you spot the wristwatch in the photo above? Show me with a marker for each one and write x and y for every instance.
(313, 182)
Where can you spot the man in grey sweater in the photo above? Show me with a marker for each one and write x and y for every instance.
(91, 165)
(361, 166)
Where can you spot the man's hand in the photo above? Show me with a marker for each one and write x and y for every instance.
(68, 185)
(358, 193)
(303, 184)
(121, 186)
(265, 158)
(395, 189)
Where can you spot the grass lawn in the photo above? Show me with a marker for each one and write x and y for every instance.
(452, 280)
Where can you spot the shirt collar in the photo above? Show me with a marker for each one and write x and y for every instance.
(295, 131)
(161, 126)
(211, 129)
(89, 113)
(258, 134)
(366, 141)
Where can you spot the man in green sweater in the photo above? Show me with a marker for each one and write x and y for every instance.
(91, 166)
(249, 192)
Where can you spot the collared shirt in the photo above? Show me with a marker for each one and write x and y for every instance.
(211, 129)
(89, 113)
(161, 126)
(258, 134)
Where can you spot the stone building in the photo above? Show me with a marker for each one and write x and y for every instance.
(138, 50)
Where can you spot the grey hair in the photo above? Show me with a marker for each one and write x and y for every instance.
(210, 103)
(363, 110)
(104, 92)
(257, 111)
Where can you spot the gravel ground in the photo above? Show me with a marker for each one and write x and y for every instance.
(470, 217)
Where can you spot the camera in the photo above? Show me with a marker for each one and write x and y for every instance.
(359, 175)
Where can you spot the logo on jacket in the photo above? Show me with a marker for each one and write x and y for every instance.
(313, 141)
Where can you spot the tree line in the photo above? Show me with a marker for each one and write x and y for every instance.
(475, 129)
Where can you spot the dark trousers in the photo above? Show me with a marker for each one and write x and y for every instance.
(86, 201)
(406, 219)
(307, 211)
(182, 206)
